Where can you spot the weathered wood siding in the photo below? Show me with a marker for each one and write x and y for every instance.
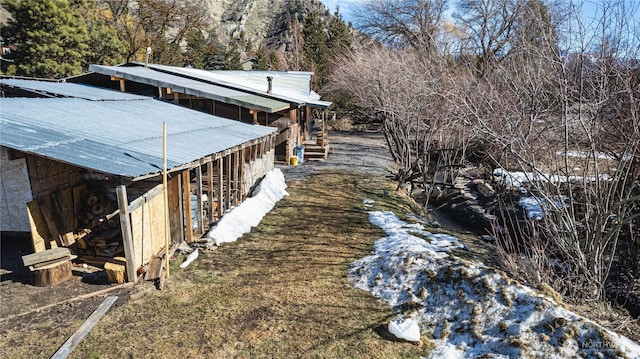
(48, 176)
(147, 227)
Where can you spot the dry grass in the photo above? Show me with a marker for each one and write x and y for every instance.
(279, 292)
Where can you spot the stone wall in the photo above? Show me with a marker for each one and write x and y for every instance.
(255, 170)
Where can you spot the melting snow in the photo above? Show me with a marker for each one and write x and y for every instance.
(469, 309)
(249, 214)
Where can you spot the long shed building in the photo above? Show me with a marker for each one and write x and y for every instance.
(82, 167)
(281, 99)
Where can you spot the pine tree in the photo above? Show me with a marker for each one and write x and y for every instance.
(50, 41)
(262, 59)
(339, 37)
(315, 47)
(105, 48)
(232, 60)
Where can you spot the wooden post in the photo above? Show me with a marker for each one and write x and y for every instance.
(199, 199)
(186, 197)
(210, 191)
(255, 116)
(165, 191)
(227, 200)
(220, 188)
(122, 88)
(241, 175)
(236, 180)
(125, 227)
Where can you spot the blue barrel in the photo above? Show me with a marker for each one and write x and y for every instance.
(300, 153)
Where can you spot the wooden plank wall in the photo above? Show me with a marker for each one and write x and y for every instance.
(176, 222)
(47, 176)
(147, 226)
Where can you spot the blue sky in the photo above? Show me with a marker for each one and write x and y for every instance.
(590, 8)
(346, 7)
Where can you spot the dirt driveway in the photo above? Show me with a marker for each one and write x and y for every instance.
(350, 151)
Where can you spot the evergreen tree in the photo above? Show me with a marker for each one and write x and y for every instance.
(232, 60)
(315, 47)
(262, 59)
(50, 40)
(105, 48)
(339, 37)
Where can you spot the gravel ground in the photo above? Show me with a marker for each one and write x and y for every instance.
(350, 151)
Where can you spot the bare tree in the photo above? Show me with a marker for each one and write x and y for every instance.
(490, 25)
(545, 97)
(403, 23)
(551, 117)
(162, 25)
(422, 134)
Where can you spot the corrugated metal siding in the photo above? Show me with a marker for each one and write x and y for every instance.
(71, 90)
(118, 137)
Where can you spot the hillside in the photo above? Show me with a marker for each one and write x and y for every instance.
(276, 25)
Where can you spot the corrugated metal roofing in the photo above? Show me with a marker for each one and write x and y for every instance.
(289, 89)
(192, 87)
(70, 90)
(122, 138)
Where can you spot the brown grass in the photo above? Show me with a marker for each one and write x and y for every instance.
(279, 292)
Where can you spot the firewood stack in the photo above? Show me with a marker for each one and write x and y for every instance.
(100, 227)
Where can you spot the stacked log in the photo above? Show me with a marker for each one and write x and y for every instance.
(100, 235)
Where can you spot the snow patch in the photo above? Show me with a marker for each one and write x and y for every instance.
(249, 214)
(471, 310)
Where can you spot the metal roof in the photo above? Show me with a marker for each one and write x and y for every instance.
(188, 86)
(121, 138)
(48, 88)
(287, 86)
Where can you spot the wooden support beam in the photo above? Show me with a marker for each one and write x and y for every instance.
(176, 98)
(125, 228)
(227, 200)
(186, 199)
(199, 199)
(121, 80)
(220, 188)
(240, 176)
(210, 195)
(255, 116)
(176, 209)
(236, 180)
